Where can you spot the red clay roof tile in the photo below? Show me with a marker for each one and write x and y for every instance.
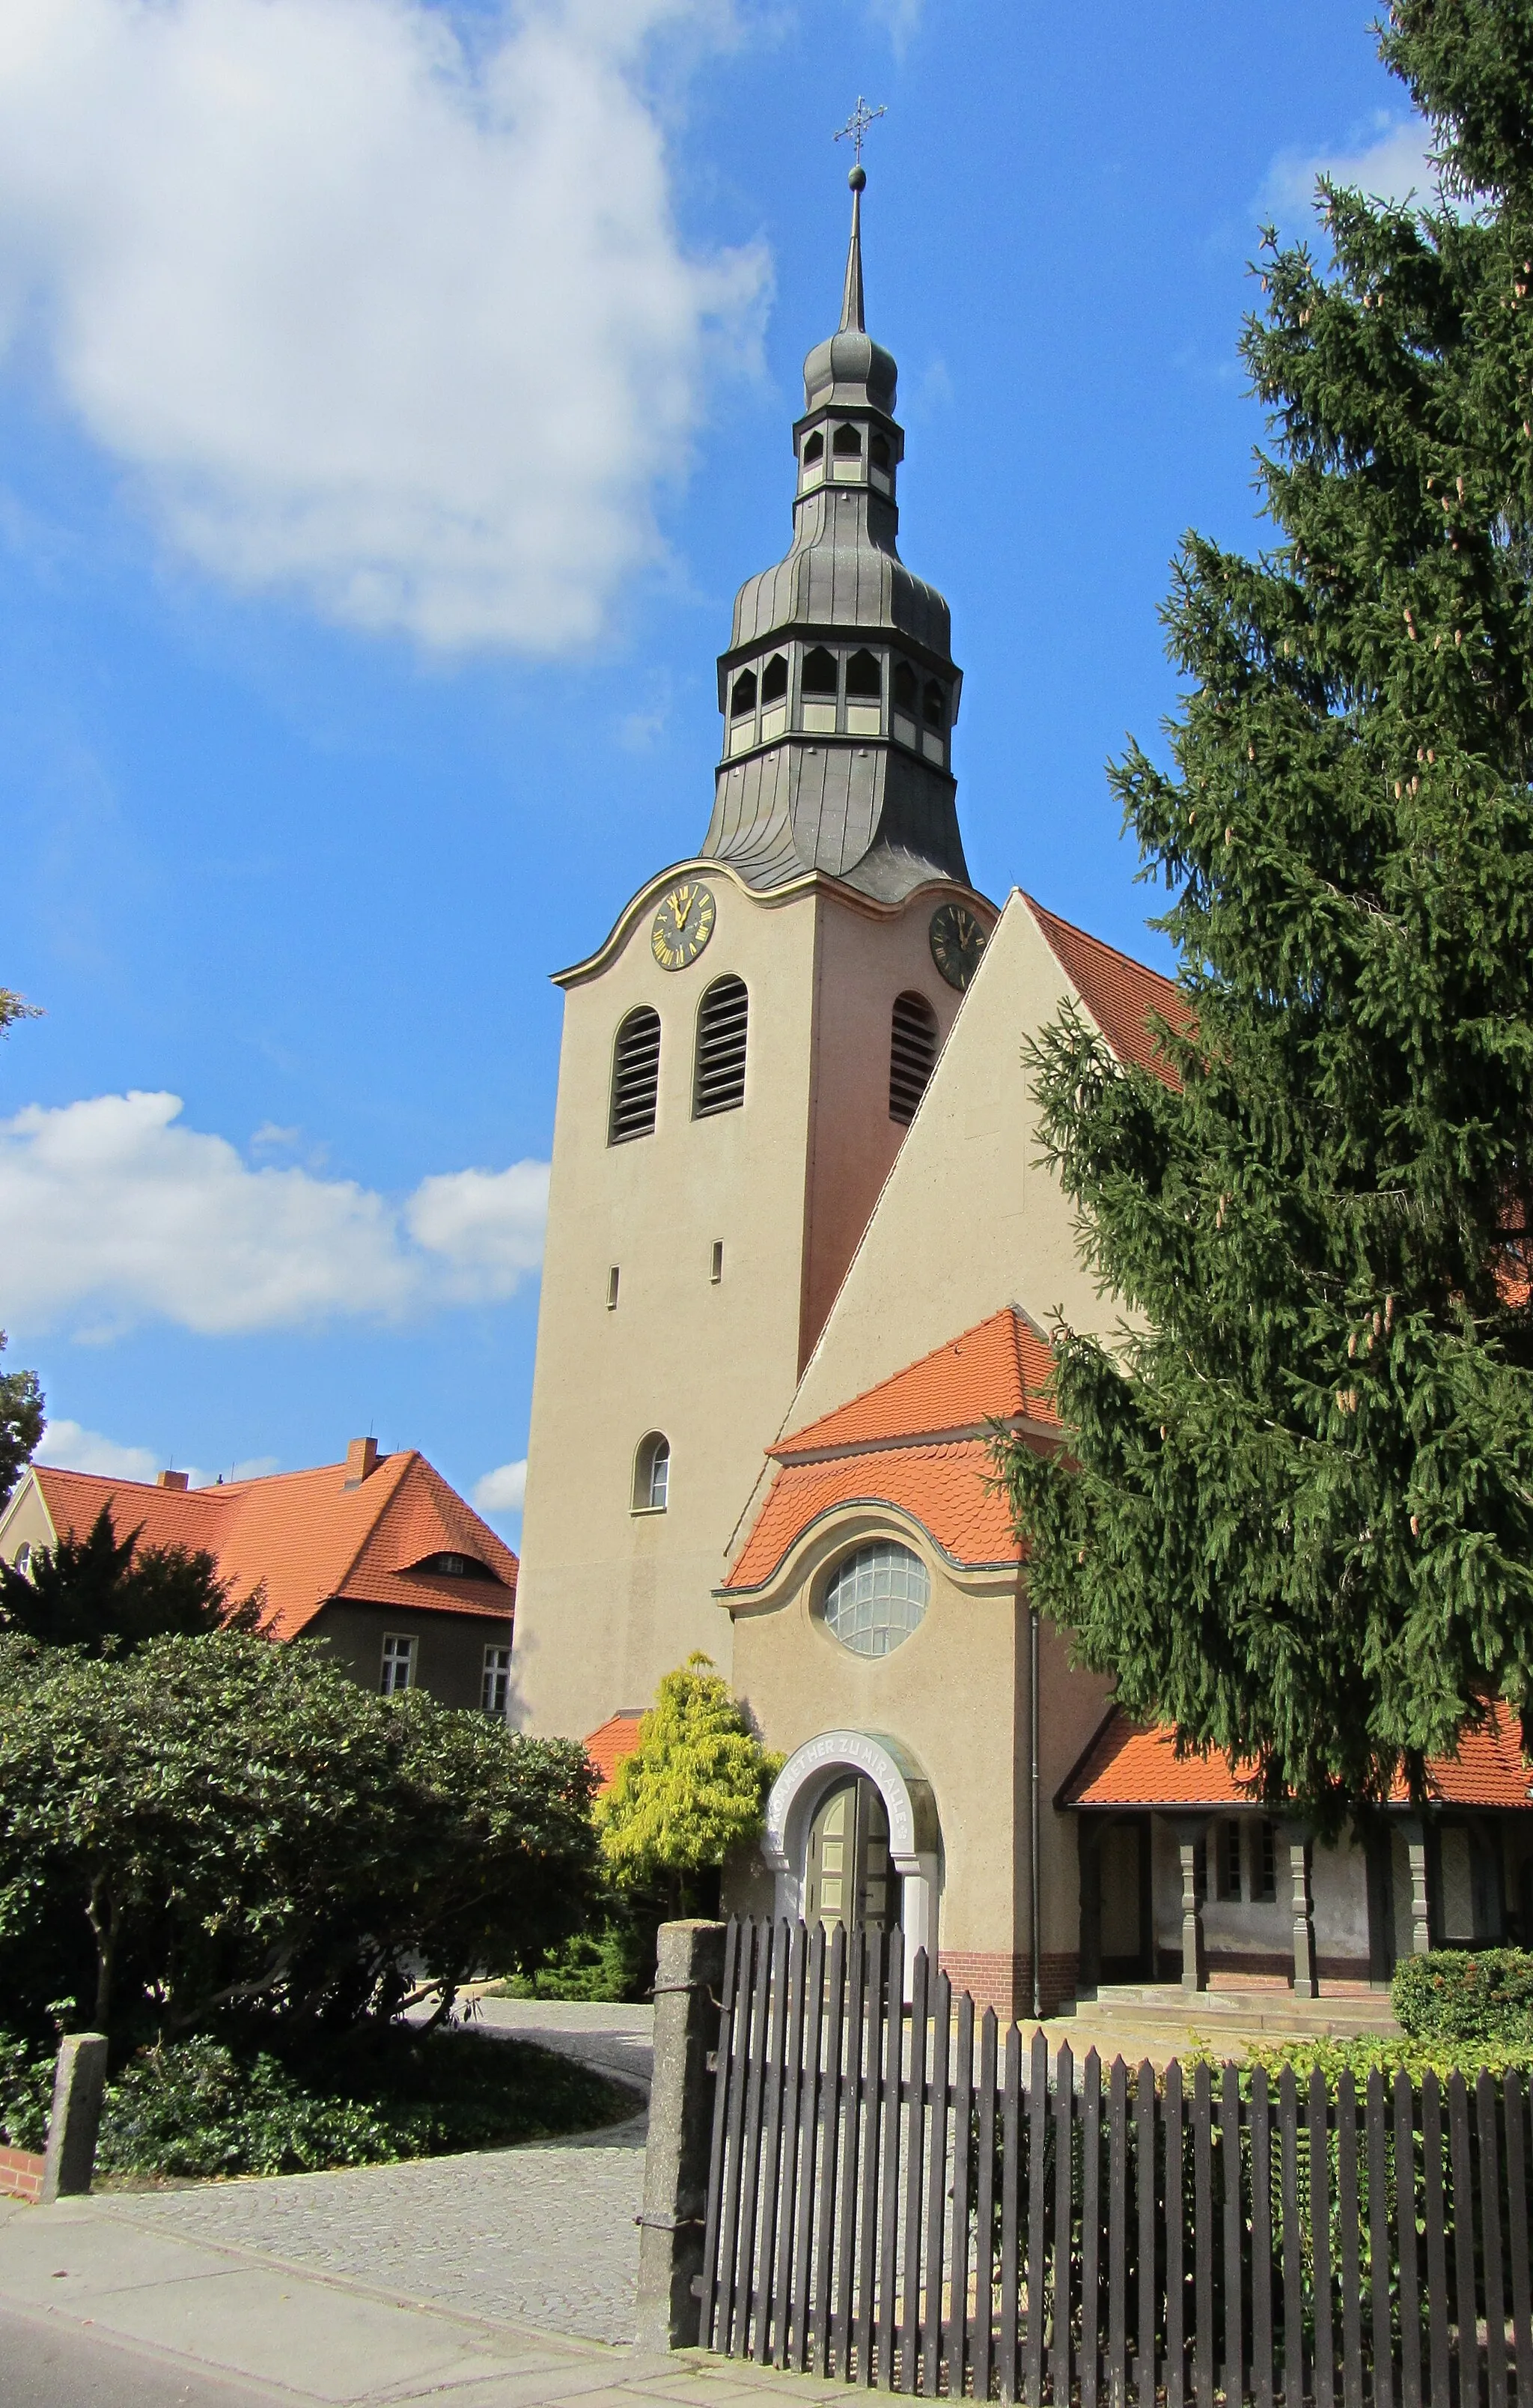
(1120, 993)
(1127, 1764)
(993, 1372)
(607, 1746)
(307, 1535)
(944, 1487)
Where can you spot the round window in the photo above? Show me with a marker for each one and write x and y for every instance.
(877, 1597)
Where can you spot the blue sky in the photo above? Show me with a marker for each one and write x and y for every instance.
(391, 397)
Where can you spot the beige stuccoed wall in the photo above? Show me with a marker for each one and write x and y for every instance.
(799, 1681)
(26, 1520)
(608, 1600)
(955, 1695)
(968, 1223)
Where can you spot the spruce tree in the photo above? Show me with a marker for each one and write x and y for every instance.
(1296, 1517)
(693, 1789)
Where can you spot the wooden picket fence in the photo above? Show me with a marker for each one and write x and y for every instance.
(902, 2195)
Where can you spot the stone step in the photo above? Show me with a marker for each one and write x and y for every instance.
(1255, 2012)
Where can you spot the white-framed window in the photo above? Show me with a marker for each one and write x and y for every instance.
(652, 1474)
(22, 1562)
(398, 1663)
(876, 1598)
(496, 1685)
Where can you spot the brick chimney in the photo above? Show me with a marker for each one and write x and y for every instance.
(174, 1479)
(361, 1458)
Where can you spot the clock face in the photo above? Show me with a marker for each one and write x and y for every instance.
(957, 941)
(683, 924)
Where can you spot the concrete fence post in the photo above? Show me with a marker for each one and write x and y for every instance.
(687, 1983)
(77, 2082)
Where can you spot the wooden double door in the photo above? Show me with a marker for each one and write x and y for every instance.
(849, 1878)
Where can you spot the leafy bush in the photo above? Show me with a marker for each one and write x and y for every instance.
(215, 1823)
(1449, 1995)
(26, 2094)
(1359, 2058)
(204, 2107)
(602, 1965)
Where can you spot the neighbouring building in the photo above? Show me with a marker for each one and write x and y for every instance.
(801, 1255)
(377, 1556)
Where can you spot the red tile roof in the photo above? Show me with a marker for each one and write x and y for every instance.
(1127, 1764)
(944, 1487)
(917, 1441)
(607, 1746)
(993, 1372)
(1120, 993)
(309, 1536)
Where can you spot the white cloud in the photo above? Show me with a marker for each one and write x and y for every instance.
(77, 1449)
(112, 1213)
(1389, 160)
(401, 326)
(501, 1491)
(74, 1448)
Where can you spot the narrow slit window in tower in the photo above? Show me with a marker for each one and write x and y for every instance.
(723, 1030)
(774, 698)
(716, 1264)
(906, 695)
(613, 1281)
(935, 712)
(864, 695)
(635, 1077)
(818, 683)
(846, 465)
(912, 1050)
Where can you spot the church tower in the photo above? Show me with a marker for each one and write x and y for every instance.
(741, 1061)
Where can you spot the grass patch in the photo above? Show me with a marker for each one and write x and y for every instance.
(204, 2107)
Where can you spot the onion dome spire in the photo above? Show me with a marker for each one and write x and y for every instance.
(838, 688)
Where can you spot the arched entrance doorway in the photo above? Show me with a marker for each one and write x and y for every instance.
(847, 1876)
(864, 1796)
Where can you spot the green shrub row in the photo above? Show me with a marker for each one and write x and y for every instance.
(202, 2107)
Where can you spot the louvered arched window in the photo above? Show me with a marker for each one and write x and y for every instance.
(723, 1031)
(636, 1076)
(913, 1050)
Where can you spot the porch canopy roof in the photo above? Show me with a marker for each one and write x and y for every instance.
(1130, 1767)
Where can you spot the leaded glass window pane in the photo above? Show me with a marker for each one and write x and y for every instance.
(877, 1597)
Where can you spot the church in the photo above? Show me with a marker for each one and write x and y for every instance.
(801, 1258)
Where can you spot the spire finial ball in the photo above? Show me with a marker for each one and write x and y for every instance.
(857, 178)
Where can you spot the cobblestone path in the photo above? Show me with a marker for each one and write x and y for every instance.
(543, 2235)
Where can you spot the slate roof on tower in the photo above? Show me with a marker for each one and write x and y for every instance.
(917, 1441)
(849, 793)
(311, 1537)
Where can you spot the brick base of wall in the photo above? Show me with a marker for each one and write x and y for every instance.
(1006, 1982)
(21, 2176)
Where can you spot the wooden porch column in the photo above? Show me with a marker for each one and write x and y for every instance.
(1297, 1836)
(1090, 1830)
(1190, 1829)
(1420, 1918)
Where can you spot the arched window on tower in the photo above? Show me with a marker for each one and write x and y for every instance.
(847, 447)
(912, 1050)
(723, 1031)
(774, 698)
(742, 711)
(881, 463)
(818, 683)
(907, 693)
(864, 694)
(636, 1076)
(652, 1474)
(933, 710)
(815, 461)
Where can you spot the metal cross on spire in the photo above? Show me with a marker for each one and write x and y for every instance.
(857, 124)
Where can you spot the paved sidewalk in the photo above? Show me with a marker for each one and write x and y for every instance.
(98, 2306)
